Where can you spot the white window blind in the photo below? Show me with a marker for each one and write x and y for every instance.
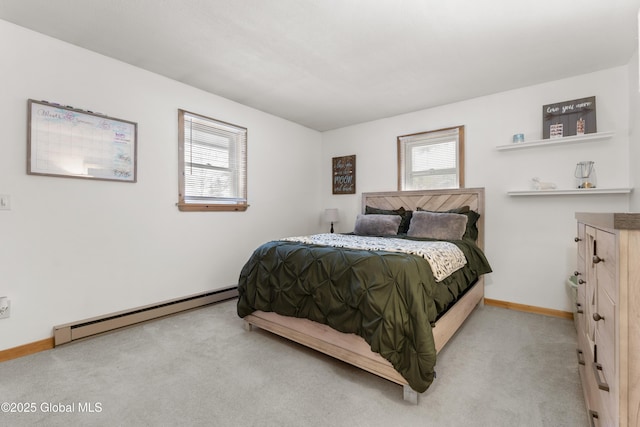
(214, 162)
(431, 159)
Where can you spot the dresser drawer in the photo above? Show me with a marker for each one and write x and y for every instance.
(579, 316)
(601, 408)
(605, 371)
(605, 330)
(581, 242)
(589, 387)
(605, 251)
(604, 384)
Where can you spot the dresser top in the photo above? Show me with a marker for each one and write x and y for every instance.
(617, 221)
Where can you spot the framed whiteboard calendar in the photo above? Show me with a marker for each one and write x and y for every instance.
(69, 142)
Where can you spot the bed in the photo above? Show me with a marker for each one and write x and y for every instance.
(386, 312)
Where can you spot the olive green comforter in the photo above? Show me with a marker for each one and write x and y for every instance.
(389, 299)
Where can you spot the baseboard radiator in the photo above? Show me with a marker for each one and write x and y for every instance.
(63, 334)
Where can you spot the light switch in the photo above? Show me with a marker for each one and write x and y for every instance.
(5, 202)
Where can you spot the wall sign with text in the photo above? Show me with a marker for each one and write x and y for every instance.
(344, 175)
(569, 118)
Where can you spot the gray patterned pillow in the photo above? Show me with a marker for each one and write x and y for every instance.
(436, 225)
(377, 225)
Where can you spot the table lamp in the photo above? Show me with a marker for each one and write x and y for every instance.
(331, 215)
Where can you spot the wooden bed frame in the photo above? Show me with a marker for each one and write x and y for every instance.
(353, 349)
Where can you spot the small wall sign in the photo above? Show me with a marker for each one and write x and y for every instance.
(344, 175)
(569, 118)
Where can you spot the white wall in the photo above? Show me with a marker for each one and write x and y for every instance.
(528, 240)
(72, 249)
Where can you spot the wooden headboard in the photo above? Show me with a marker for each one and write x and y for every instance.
(431, 200)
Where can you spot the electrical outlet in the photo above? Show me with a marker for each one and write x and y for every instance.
(5, 308)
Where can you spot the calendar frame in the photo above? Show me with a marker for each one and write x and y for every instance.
(63, 141)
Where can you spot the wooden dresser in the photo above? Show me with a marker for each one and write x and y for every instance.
(608, 316)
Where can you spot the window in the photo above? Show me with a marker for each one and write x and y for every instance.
(433, 159)
(213, 164)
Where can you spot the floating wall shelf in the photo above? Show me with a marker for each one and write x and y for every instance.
(572, 191)
(556, 141)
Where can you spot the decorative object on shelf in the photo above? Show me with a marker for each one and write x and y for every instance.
(343, 175)
(541, 185)
(518, 137)
(585, 174)
(331, 215)
(569, 118)
(556, 130)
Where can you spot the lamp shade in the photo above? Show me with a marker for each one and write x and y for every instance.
(331, 215)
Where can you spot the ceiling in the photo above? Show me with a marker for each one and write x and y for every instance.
(327, 64)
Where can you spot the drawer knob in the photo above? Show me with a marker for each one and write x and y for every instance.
(596, 259)
(597, 317)
(577, 239)
(581, 282)
(576, 273)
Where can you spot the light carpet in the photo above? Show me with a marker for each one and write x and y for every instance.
(502, 368)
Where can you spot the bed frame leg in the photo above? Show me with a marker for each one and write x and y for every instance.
(248, 326)
(409, 394)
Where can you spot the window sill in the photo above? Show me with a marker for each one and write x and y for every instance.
(199, 207)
